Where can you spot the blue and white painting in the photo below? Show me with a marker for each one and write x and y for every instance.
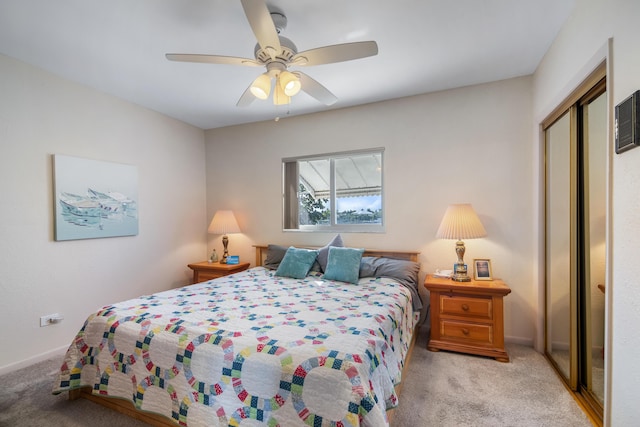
(94, 199)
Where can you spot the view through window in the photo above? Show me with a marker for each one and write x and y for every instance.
(340, 191)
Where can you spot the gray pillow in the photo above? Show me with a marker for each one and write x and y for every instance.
(405, 272)
(399, 269)
(368, 265)
(323, 253)
(275, 253)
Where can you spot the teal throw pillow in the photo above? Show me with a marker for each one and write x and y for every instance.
(343, 264)
(296, 263)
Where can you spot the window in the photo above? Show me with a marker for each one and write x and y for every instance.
(341, 192)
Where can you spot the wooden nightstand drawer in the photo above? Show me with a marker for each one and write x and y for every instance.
(203, 276)
(476, 333)
(466, 306)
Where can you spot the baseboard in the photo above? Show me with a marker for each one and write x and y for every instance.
(60, 351)
(519, 340)
(561, 346)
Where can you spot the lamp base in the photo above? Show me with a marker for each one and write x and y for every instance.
(460, 273)
(460, 268)
(225, 254)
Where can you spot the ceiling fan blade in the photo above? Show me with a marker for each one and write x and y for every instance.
(335, 53)
(212, 59)
(315, 89)
(246, 99)
(262, 25)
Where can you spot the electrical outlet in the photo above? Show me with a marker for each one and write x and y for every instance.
(50, 319)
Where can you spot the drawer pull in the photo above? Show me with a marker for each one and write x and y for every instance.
(465, 307)
(465, 331)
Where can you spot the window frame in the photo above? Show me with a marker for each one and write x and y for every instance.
(289, 212)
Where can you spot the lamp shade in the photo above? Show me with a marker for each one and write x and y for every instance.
(261, 86)
(290, 83)
(460, 222)
(224, 222)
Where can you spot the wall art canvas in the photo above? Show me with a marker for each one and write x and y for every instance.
(94, 199)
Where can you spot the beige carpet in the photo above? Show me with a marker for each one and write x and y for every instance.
(439, 389)
(449, 389)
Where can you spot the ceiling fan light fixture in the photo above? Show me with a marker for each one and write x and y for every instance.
(279, 96)
(277, 53)
(290, 83)
(261, 86)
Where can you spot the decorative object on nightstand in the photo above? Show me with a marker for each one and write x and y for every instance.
(224, 222)
(460, 221)
(205, 270)
(482, 269)
(214, 256)
(467, 317)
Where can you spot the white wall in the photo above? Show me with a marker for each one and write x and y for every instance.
(41, 115)
(582, 42)
(464, 145)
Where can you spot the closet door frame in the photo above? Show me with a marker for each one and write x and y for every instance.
(593, 86)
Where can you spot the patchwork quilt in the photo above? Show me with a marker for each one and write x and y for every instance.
(251, 346)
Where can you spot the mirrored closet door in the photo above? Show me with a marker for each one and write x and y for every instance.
(575, 242)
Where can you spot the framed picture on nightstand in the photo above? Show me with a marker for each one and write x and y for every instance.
(482, 269)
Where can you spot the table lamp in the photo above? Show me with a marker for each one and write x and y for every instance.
(224, 222)
(460, 221)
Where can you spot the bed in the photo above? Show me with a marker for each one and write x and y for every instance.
(261, 347)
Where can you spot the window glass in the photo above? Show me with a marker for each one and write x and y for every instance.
(341, 191)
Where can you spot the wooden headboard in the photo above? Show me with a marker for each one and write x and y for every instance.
(261, 254)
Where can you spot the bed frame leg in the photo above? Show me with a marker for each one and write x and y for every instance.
(74, 394)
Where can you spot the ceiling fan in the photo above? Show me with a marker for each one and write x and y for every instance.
(277, 54)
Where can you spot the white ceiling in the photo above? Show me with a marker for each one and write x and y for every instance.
(118, 47)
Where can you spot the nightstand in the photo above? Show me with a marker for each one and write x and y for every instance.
(467, 317)
(203, 271)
